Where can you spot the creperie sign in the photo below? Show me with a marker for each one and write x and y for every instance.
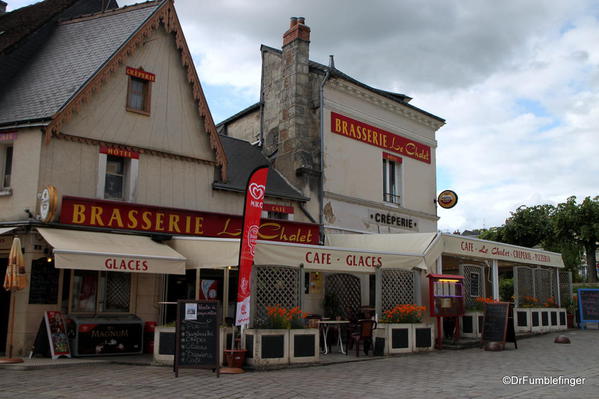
(127, 216)
(377, 137)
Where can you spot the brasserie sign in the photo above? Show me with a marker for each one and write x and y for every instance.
(128, 216)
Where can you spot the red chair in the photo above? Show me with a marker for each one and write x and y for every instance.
(364, 335)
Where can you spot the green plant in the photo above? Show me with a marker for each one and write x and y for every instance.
(506, 289)
(331, 305)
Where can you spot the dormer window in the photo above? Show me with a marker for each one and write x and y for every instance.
(139, 90)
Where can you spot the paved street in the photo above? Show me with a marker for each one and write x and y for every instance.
(471, 373)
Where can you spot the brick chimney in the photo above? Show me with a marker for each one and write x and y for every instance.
(297, 30)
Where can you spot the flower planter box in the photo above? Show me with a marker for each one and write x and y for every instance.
(562, 319)
(545, 320)
(164, 345)
(304, 345)
(535, 320)
(471, 324)
(522, 320)
(266, 347)
(398, 337)
(423, 337)
(554, 319)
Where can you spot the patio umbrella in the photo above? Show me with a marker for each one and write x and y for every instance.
(14, 280)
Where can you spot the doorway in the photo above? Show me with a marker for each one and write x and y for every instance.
(179, 287)
(4, 307)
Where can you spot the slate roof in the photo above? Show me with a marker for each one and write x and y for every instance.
(76, 50)
(243, 158)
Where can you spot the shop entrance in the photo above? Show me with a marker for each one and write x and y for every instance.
(4, 306)
(179, 287)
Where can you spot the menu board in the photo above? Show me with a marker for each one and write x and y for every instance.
(51, 339)
(498, 324)
(197, 338)
(44, 282)
(588, 304)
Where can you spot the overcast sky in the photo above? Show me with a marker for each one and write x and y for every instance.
(517, 82)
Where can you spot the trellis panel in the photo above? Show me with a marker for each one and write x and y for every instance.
(398, 288)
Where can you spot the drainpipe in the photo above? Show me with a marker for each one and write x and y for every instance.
(321, 185)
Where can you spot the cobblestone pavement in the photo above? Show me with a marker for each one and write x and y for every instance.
(471, 373)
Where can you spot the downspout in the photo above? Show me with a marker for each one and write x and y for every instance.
(321, 185)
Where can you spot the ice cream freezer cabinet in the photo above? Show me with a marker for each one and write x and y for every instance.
(105, 335)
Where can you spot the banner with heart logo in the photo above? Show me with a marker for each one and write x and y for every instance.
(254, 201)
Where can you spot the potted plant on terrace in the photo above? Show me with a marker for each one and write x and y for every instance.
(282, 338)
(399, 326)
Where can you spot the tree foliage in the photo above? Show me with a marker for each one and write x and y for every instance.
(569, 228)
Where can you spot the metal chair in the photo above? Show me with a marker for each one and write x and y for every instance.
(364, 335)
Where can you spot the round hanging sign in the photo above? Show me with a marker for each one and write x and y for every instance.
(48, 203)
(447, 199)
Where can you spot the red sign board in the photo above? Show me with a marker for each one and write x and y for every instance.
(372, 135)
(128, 216)
(8, 136)
(118, 152)
(141, 74)
(278, 208)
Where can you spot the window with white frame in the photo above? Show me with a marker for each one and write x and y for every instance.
(114, 185)
(391, 178)
(117, 176)
(6, 151)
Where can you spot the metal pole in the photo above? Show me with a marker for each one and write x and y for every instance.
(495, 278)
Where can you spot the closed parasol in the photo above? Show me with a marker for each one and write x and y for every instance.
(14, 280)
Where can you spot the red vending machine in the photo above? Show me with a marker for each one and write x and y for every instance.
(446, 299)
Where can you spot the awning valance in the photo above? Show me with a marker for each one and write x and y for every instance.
(477, 248)
(74, 249)
(215, 252)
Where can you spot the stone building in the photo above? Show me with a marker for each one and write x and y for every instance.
(365, 157)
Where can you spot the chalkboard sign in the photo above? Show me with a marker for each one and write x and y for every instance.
(44, 283)
(197, 338)
(588, 305)
(498, 324)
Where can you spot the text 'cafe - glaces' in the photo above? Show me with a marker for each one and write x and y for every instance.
(126, 216)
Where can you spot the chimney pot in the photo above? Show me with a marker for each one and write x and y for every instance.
(293, 22)
(3, 7)
(301, 20)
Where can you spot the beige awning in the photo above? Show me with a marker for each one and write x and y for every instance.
(426, 246)
(4, 230)
(74, 249)
(477, 248)
(216, 252)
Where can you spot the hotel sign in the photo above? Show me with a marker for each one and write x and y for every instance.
(128, 216)
(377, 137)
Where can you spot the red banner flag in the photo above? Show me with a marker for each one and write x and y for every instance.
(254, 201)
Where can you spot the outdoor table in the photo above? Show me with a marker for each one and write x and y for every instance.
(324, 327)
